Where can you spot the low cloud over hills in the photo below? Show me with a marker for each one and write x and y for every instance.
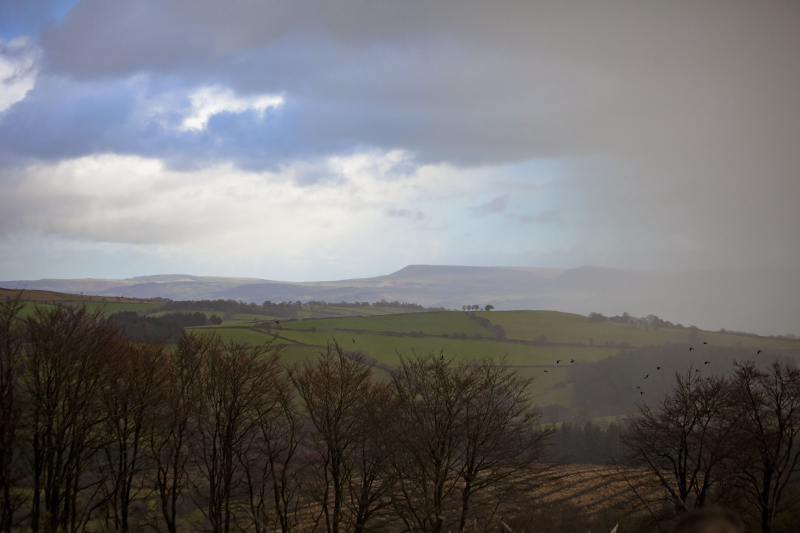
(765, 301)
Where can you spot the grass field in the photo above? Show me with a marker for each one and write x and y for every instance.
(385, 338)
(429, 323)
(108, 308)
(386, 333)
(332, 311)
(570, 328)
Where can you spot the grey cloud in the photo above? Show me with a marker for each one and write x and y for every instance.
(680, 120)
(413, 214)
(492, 207)
(545, 217)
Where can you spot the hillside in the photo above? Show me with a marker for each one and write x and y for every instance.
(546, 345)
(550, 346)
(765, 301)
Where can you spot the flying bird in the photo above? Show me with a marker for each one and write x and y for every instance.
(707, 363)
(572, 360)
(690, 348)
(705, 342)
(647, 376)
(641, 392)
(558, 361)
(658, 368)
(758, 352)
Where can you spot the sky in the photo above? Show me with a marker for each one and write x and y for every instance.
(301, 140)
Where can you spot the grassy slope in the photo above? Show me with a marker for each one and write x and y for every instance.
(567, 338)
(109, 308)
(571, 328)
(429, 323)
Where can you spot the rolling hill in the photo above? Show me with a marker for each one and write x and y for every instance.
(766, 300)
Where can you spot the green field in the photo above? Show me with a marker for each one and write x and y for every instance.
(570, 328)
(568, 336)
(108, 308)
(443, 323)
(332, 311)
(386, 333)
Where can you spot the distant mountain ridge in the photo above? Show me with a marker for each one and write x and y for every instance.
(765, 300)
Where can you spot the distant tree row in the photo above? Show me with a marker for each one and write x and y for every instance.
(165, 328)
(284, 310)
(650, 321)
(586, 443)
(97, 432)
(476, 307)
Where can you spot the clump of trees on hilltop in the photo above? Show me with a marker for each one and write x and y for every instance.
(285, 310)
(98, 432)
(165, 328)
(650, 321)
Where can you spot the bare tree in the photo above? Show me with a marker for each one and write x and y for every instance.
(333, 389)
(433, 399)
(271, 460)
(11, 367)
(370, 485)
(130, 396)
(67, 360)
(686, 438)
(175, 418)
(767, 440)
(234, 382)
(503, 437)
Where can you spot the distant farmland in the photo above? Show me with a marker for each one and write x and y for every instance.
(540, 344)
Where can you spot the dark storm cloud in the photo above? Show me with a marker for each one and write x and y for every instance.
(467, 83)
(678, 121)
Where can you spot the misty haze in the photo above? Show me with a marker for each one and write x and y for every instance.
(393, 266)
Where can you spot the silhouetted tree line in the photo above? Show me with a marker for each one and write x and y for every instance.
(165, 328)
(410, 307)
(100, 433)
(730, 440)
(497, 329)
(650, 321)
(609, 386)
(586, 443)
(282, 310)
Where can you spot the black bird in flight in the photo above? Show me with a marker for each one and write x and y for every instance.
(647, 376)
(658, 368)
(641, 392)
(572, 360)
(707, 363)
(758, 352)
(705, 342)
(690, 348)
(558, 361)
